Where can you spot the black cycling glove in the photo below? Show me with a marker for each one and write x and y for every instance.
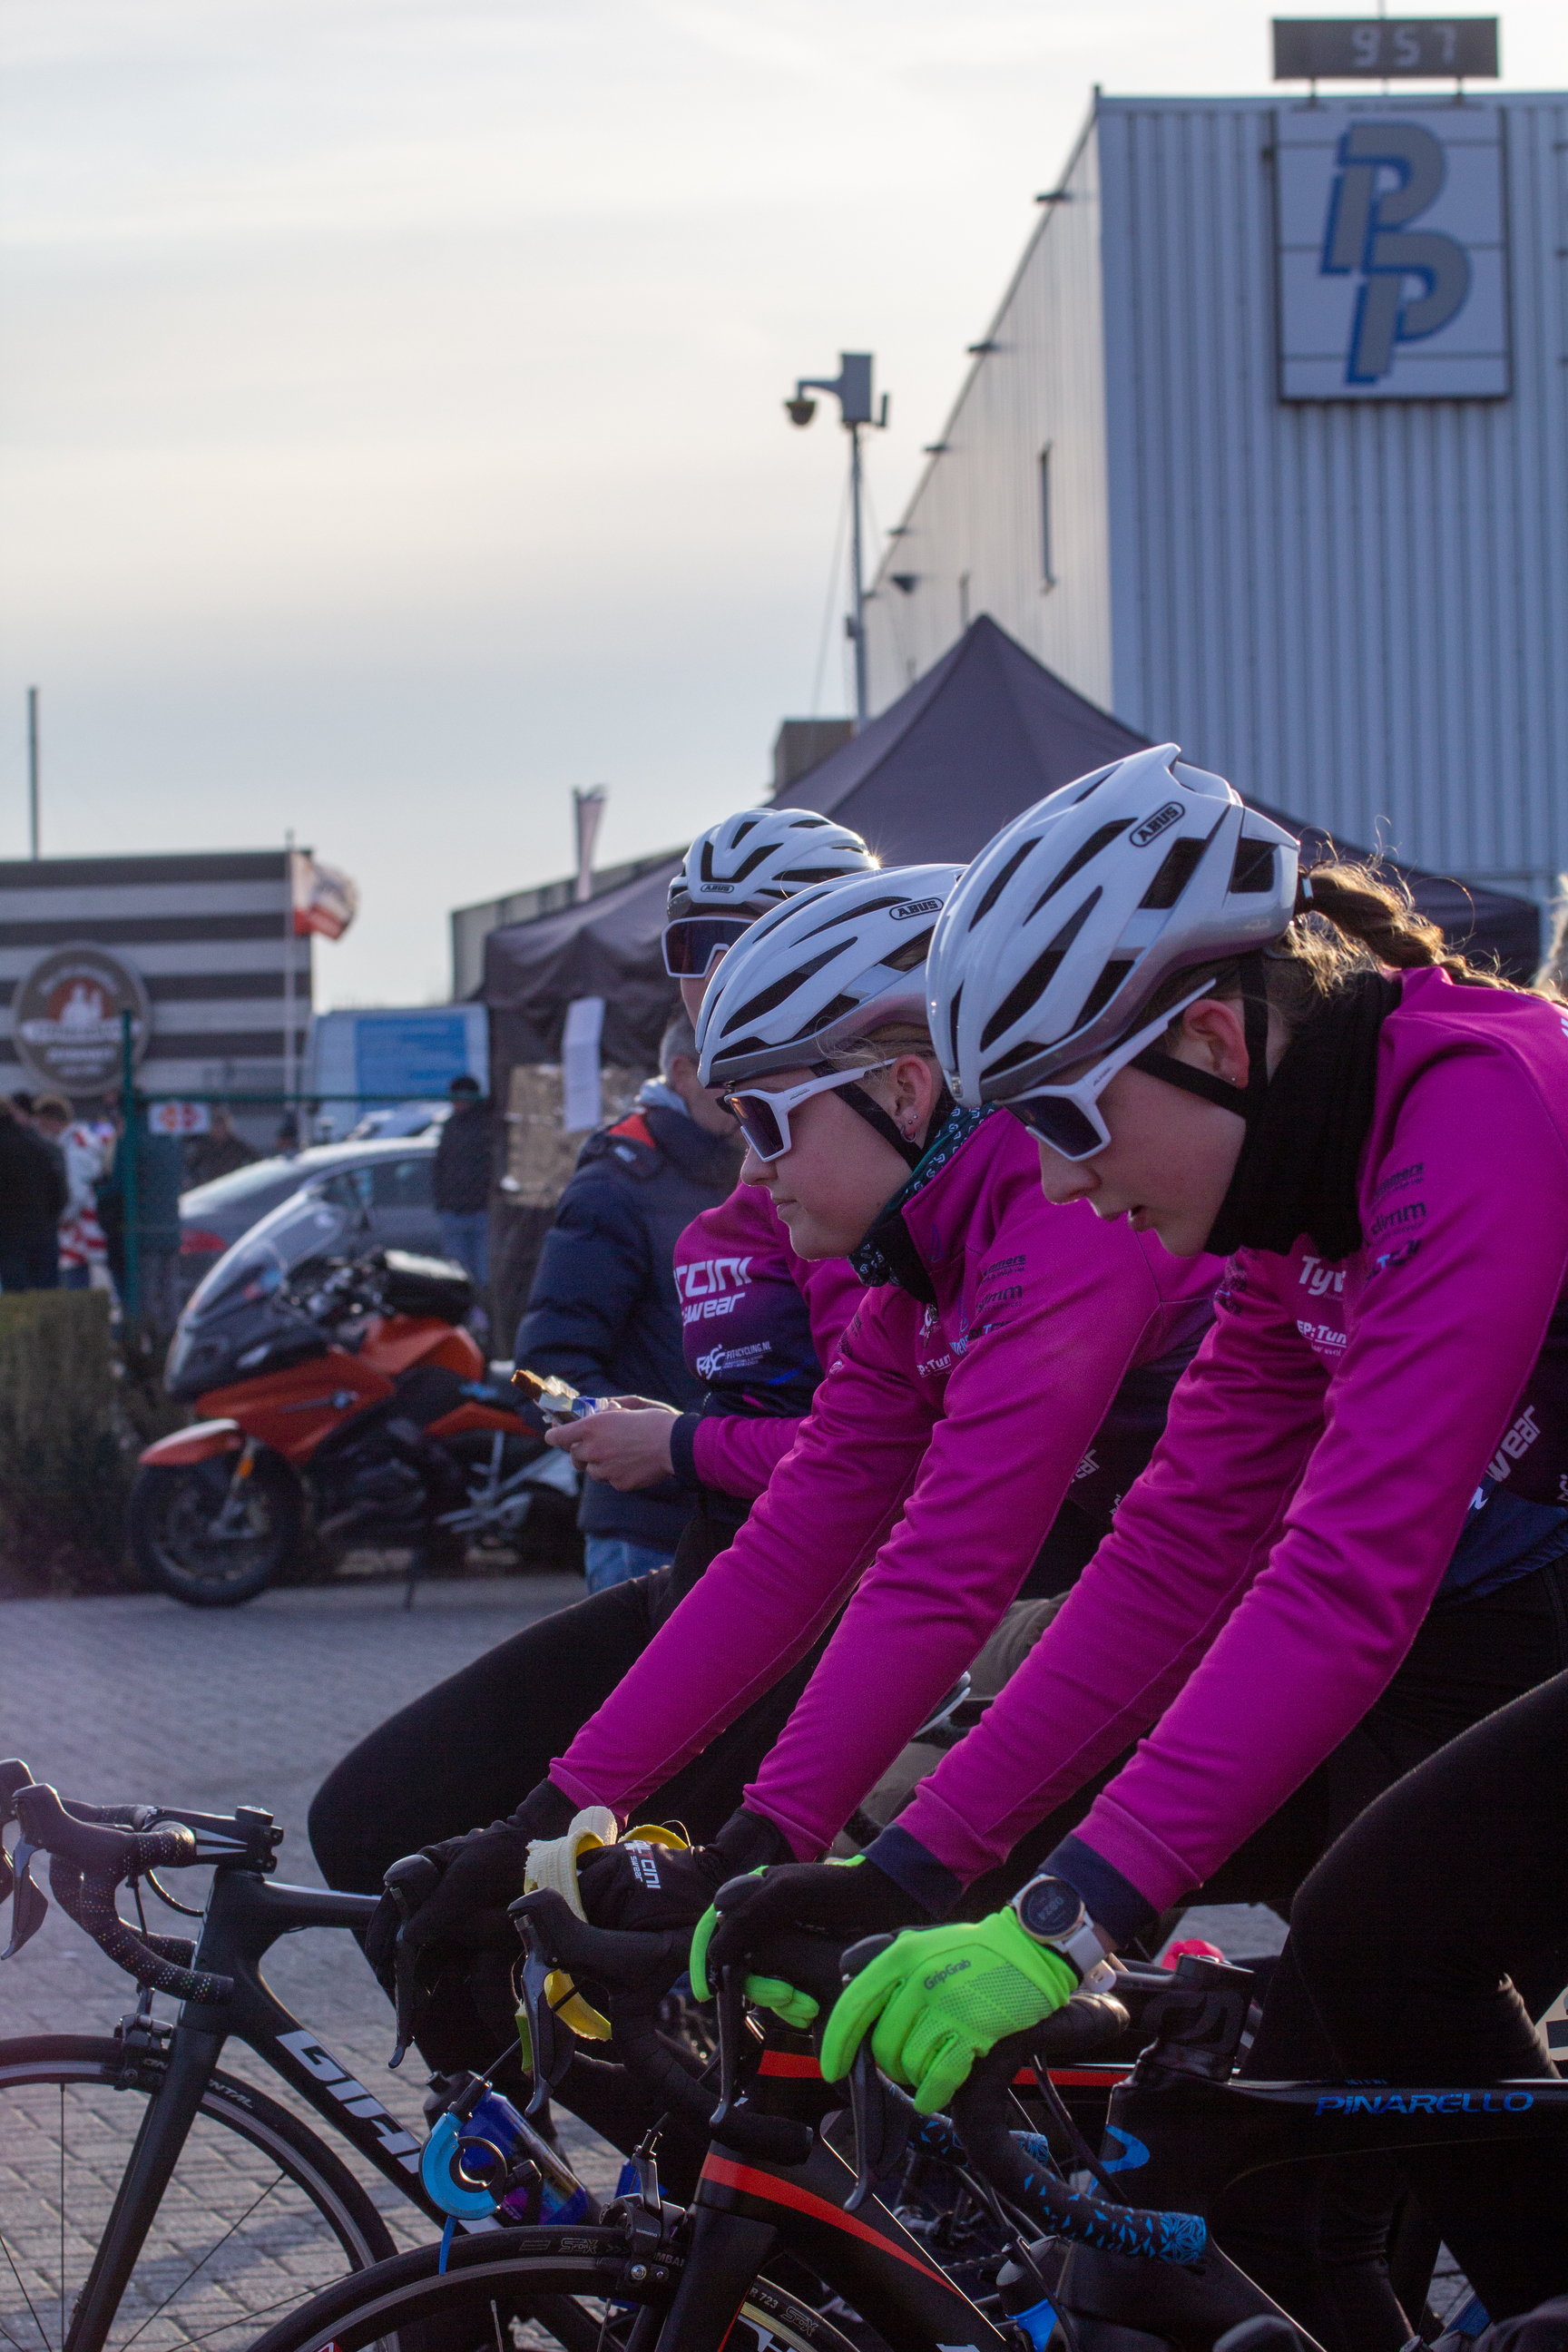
(844, 1900)
(637, 1884)
(459, 1888)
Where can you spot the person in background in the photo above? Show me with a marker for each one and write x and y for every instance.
(159, 1180)
(218, 1152)
(81, 1243)
(286, 1143)
(32, 1197)
(465, 1158)
(604, 1313)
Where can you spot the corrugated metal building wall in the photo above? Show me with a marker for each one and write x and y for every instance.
(1357, 611)
(206, 934)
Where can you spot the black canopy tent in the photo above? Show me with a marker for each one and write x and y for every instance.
(985, 732)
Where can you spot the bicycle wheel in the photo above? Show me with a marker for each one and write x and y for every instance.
(257, 2216)
(507, 2290)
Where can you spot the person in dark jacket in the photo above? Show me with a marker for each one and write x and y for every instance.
(32, 1201)
(464, 1159)
(218, 1152)
(604, 1313)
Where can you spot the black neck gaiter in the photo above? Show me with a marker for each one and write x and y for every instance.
(1297, 1172)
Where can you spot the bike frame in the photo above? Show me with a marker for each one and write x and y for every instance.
(245, 1913)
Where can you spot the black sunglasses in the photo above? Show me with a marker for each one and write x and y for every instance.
(693, 943)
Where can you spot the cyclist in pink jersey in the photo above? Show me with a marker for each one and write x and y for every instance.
(996, 1329)
(1372, 1444)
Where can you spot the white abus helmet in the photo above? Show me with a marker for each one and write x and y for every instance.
(821, 972)
(746, 862)
(1066, 926)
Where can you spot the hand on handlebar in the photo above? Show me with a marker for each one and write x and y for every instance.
(477, 1876)
(642, 1885)
(845, 1900)
(936, 2001)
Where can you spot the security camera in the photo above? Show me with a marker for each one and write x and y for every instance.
(801, 410)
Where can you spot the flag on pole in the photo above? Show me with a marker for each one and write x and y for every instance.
(324, 899)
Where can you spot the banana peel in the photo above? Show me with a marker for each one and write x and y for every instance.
(553, 1867)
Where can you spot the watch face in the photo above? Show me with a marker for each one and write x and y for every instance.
(1049, 1906)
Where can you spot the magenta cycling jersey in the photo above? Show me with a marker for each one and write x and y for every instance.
(760, 1324)
(1268, 1572)
(935, 1457)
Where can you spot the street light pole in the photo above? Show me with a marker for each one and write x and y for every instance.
(33, 767)
(851, 387)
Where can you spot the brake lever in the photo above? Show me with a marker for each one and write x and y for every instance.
(550, 2042)
(30, 1905)
(881, 2127)
(731, 2014)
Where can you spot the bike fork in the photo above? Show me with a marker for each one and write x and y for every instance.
(171, 2111)
(724, 2257)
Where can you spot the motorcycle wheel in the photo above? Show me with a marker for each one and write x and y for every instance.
(171, 1521)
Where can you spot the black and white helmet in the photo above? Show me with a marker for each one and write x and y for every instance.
(1066, 925)
(748, 862)
(816, 975)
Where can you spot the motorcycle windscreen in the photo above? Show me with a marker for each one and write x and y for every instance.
(236, 1305)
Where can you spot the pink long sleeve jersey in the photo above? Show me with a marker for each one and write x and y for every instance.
(760, 1324)
(1268, 1572)
(938, 1451)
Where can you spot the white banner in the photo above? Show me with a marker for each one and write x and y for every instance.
(581, 1104)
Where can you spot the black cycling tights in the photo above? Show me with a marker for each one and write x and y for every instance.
(1421, 1948)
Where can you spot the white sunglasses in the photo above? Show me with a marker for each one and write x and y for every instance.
(1068, 1117)
(763, 1118)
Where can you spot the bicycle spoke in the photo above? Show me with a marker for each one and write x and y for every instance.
(26, 2298)
(238, 2223)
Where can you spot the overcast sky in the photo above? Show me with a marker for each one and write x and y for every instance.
(390, 424)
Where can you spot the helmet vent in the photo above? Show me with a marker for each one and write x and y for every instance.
(1104, 988)
(832, 1012)
(1098, 841)
(1177, 867)
(1254, 867)
(999, 882)
(1039, 976)
(747, 824)
(859, 912)
(912, 952)
(780, 991)
(953, 1023)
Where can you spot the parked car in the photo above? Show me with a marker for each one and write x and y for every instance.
(390, 1180)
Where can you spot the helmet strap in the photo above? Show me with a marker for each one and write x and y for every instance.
(1246, 1101)
(909, 1152)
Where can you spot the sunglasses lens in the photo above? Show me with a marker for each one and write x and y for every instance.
(1059, 1122)
(691, 942)
(759, 1124)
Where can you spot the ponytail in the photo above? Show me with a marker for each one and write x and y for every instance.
(1349, 918)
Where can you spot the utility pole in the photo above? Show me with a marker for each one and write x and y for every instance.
(289, 1084)
(33, 767)
(852, 389)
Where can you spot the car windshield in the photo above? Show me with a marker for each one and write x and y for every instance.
(308, 1225)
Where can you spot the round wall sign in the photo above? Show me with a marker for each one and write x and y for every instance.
(65, 1018)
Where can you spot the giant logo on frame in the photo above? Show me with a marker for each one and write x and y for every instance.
(66, 1021)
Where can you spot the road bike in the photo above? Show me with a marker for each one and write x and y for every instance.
(1072, 2263)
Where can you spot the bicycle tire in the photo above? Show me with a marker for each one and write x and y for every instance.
(324, 2215)
(543, 2275)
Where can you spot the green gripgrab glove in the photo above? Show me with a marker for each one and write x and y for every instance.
(795, 2007)
(940, 1998)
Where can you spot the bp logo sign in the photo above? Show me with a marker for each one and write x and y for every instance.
(1393, 258)
(65, 1019)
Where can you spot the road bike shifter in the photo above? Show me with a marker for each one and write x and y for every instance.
(551, 2051)
(30, 1905)
(14, 1775)
(409, 1883)
(881, 2125)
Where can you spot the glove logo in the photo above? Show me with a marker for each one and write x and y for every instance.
(953, 1968)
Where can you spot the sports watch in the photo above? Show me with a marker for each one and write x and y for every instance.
(1053, 1913)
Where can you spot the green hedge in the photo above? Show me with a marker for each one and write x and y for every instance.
(65, 1468)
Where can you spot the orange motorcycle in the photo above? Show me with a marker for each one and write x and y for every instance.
(341, 1400)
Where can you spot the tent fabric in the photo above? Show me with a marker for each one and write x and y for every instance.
(985, 732)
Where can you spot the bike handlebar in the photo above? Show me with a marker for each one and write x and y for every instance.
(92, 1852)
